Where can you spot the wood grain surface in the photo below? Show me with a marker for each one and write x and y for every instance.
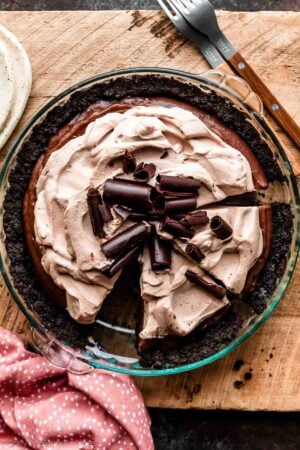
(66, 47)
(271, 103)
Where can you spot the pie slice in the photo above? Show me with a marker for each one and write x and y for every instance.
(228, 258)
(172, 304)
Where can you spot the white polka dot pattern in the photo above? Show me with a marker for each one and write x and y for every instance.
(46, 408)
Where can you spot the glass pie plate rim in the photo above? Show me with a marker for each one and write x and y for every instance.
(212, 79)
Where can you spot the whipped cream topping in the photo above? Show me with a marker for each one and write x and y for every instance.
(230, 260)
(72, 255)
(172, 304)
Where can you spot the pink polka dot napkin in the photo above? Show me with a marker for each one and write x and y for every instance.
(46, 408)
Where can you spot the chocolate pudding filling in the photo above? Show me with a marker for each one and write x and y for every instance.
(136, 179)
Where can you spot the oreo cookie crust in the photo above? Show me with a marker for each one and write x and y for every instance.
(21, 268)
(281, 241)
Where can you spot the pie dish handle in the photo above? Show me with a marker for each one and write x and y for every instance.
(236, 86)
(58, 354)
(241, 89)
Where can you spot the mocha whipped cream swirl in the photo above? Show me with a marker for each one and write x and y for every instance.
(72, 255)
(228, 260)
(173, 305)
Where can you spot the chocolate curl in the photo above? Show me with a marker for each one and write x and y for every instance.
(129, 162)
(170, 195)
(196, 218)
(125, 240)
(144, 172)
(128, 193)
(181, 205)
(158, 206)
(176, 228)
(94, 200)
(110, 270)
(194, 253)
(105, 213)
(220, 228)
(162, 205)
(183, 184)
(123, 212)
(126, 213)
(160, 252)
(138, 217)
(217, 291)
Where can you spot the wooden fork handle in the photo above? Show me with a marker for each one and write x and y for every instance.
(241, 67)
(224, 67)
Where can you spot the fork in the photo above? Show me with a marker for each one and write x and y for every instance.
(211, 54)
(201, 15)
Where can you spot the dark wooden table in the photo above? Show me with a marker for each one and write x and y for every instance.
(231, 5)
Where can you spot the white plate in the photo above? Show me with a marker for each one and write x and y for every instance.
(17, 58)
(6, 84)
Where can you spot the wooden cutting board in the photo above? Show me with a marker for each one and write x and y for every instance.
(66, 47)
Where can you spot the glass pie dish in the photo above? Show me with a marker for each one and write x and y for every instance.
(112, 346)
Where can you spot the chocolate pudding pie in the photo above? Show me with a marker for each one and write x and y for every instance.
(148, 174)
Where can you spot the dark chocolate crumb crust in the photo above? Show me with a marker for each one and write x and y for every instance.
(59, 322)
(196, 347)
(281, 241)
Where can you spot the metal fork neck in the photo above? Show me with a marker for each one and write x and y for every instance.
(222, 44)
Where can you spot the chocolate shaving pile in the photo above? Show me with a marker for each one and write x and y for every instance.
(172, 202)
